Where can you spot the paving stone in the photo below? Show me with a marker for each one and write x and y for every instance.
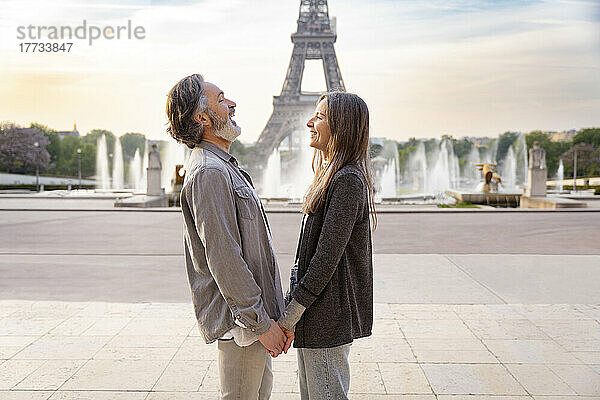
(182, 376)
(411, 311)
(471, 344)
(98, 395)
(552, 312)
(7, 352)
(210, 383)
(365, 378)
(378, 350)
(63, 347)
(116, 375)
(25, 395)
(110, 310)
(107, 326)
(73, 326)
(168, 310)
(50, 375)
(386, 327)
(455, 356)
(404, 378)
(471, 379)
(570, 330)
(14, 371)
(136, 353)
(145, 341)
(285, 381)
(505, 329)
(588, 357)
(530, 351)
(184, 396)
(584, 380)
(434, 329)
(488, 311)
(357, 396)
(194, 348)
(27, 327)
(158, 326)
(382, 310)
(481, 397)
(539, 379)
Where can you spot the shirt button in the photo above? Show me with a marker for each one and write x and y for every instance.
(237, 316)
(253, 329)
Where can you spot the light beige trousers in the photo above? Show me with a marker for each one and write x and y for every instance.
(245, 373)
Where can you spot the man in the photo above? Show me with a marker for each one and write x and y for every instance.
(231, 265)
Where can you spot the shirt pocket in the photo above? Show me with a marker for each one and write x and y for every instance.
(245, 203)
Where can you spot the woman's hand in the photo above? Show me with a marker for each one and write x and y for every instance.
(290, 338)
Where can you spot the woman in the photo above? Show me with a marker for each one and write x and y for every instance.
(331, 304)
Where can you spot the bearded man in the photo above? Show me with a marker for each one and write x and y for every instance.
(231, 265)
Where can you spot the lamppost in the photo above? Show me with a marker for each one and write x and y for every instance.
(37, 167)
(575, 168)
(79, 166)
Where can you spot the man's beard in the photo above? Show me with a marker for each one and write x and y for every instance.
(224, 128)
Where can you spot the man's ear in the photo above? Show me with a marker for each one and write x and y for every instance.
(202, 119)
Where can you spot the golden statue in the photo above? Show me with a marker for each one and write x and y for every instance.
(490, 177)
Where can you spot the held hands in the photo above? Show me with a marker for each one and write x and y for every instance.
(288, 342)
(274, 339)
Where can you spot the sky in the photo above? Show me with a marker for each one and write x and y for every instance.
(425, 68)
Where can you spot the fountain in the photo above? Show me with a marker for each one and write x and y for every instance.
(173, 154)
(388, 180)
(560, 176)
(272, 176)
(135, 171)
(117, 173)
(520, 151)
(445, 172)
(489, 192)
(102, 175)
(509, 170)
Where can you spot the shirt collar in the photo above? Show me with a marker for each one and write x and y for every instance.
(222, 154)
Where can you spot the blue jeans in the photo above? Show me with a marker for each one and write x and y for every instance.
(324, 373)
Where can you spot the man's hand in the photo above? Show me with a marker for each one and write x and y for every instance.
(290, 338)
(274, 339)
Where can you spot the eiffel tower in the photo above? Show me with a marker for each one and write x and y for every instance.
(313, 40)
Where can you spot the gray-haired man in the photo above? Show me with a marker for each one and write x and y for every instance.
(231, 265)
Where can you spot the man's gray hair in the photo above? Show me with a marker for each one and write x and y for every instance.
(186, 100)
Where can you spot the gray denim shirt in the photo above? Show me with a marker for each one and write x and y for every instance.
(229, 256)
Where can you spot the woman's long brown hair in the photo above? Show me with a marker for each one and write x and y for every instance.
(348, 119)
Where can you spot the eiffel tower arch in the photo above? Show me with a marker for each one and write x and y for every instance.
(313, 40)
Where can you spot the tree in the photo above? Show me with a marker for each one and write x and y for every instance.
(131, 142)
(504, 142)
(54, 144)
(554, 150)
(67, 164)
(589, 136)
(18, 152)
(588, 160)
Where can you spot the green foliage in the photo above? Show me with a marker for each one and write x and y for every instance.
(504, 142)
(130, 142)
(95, 134)
(462, 204)
(375, 150)
(554, 150)
(53, 146)
(589, 136)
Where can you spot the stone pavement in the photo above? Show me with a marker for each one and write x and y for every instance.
(94, 350)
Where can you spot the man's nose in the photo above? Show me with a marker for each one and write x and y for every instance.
(231, 103)
(310, 123)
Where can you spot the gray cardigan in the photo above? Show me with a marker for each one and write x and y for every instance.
(335, 266)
